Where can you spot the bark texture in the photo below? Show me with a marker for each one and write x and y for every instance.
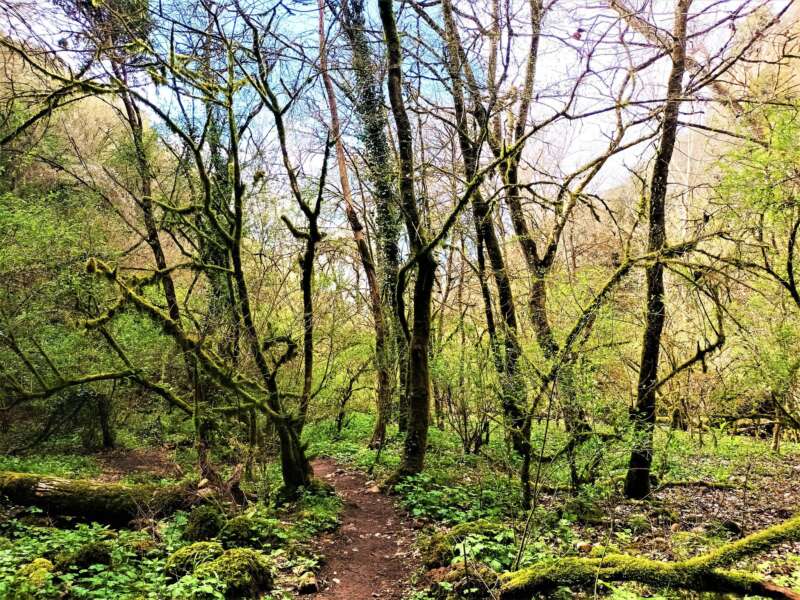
(113, 503)
(637, 482)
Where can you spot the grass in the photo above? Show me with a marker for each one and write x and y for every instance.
(71, 466)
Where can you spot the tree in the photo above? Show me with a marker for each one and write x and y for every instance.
(637, 482)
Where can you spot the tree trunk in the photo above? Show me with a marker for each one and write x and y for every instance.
(703, 573)
(370, 109)
(112, 503)
(418, 384)
(295, 468)
(513, 389)
(382, 363)
(104, 416)
(643, 417)
(418, 376)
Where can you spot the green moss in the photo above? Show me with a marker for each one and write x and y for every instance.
(255, 531)
(185, 560)
(91, 500)
(35, 568)
(205, 522)
(93, 553)
(585, 510)
(701, 573)
(245, 572)
(33, 580)
(439, 548)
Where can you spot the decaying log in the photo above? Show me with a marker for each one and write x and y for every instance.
(704, 573)
(111, 503)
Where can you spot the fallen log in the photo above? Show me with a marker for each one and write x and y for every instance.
(111, 503)
(704, 573)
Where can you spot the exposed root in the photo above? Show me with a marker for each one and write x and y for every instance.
(704, 573)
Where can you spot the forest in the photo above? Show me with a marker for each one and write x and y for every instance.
(399, 299)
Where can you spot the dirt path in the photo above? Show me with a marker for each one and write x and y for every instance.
(371, 555)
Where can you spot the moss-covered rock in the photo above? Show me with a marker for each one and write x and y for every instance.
(35, 569)
(188, 558)
(33, 580)
(585, 510)
(205, 522)
(307, 584)
(254, 531)
(245, 572)
(93, 553)
(440, 548)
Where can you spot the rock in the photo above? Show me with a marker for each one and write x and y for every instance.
(583, 547)
(184, 560)
(732, 526)
(307, 583)
(374, 490)
(245, 572)
(91, 553)
(675, 527)
(204, 523)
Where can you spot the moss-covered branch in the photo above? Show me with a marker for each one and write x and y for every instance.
(701, 573)
(93, 500)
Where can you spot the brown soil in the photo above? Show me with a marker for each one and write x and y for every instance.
(372, 554)
(144, 462)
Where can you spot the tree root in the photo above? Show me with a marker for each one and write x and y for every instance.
(703, 573)
(711, 485)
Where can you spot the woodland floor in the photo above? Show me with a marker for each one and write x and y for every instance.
(150, 462)
(371, 555)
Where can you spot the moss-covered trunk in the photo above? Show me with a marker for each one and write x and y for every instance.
(704, 573)
(369, 107)
(112, 503)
